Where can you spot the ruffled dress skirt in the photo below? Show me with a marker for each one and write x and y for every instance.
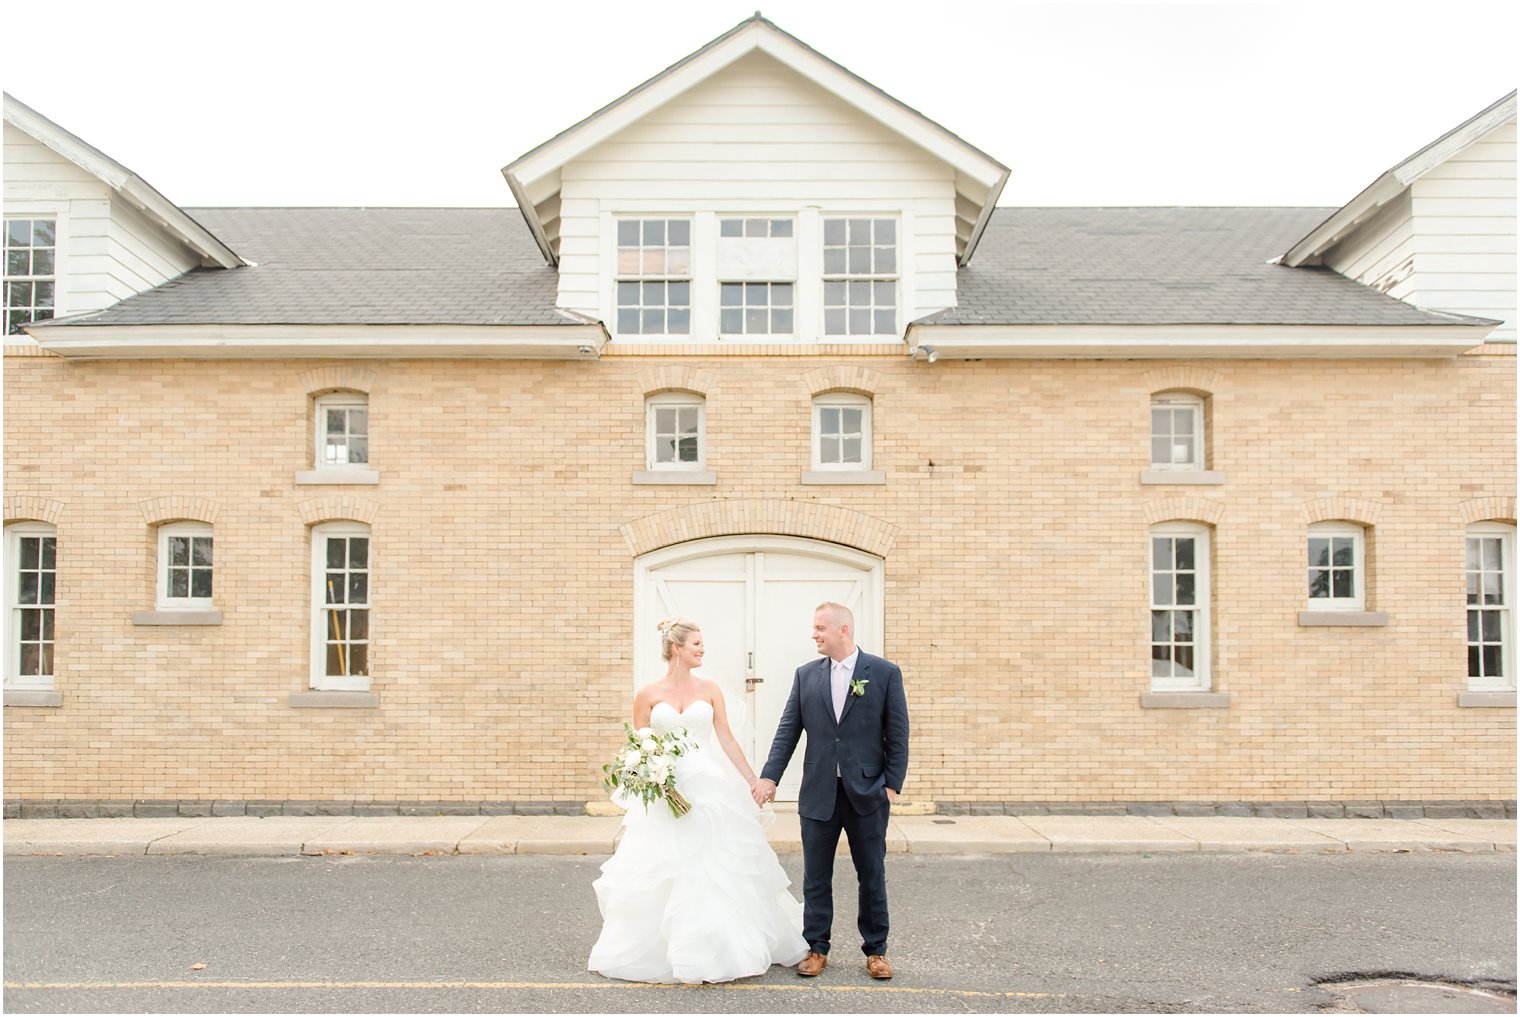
(701, 898)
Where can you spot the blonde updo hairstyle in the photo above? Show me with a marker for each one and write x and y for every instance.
(674, 632)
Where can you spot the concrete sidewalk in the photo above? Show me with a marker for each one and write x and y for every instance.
(597, 835)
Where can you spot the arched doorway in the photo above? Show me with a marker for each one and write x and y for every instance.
(754, 598)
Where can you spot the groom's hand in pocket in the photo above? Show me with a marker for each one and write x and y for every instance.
(763, 791)
(891, 796)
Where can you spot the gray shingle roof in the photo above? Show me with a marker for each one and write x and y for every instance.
(1160, 266)
(383, 266)
(480, 266)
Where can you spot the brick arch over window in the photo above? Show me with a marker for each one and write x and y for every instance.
(1342, 508)
(1495, 509)
(24, 508)
(339, 377)
(1203, 381)
(751, 516)
(338, 508)
(842, 378)
(1184, 509)
(675, 378)
(174, 508)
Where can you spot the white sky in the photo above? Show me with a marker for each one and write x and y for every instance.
(329, 102)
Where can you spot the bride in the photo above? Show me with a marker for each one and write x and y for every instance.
(701, 898)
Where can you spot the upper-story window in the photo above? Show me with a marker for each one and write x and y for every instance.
(676, 431)
(654, 276)
(31, 556)
(860, 273)
(841, 432)
(184, 566)
(343, 429)
(1337, 567)
(1176, 431)
(756, 308)
(31, 250)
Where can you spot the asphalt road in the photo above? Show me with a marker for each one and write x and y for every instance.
(1012, 933)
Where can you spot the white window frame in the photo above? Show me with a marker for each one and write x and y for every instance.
(59, 223)
(896, 277)
(1504, 682)
(166, 601)
(678, 399)
(1172, 401)
(320, 679)
(842, 401)
(1201, 679)
(769, 285)
(666, 278)
(1327, 531)
(13, 677)
(340, 401)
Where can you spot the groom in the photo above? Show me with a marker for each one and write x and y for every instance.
(852, 707)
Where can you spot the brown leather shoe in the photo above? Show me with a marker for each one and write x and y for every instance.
(877, 965)
(812, 965)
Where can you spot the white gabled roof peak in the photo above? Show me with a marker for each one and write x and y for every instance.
(534, 176)
(123, 181)
(1395, 181)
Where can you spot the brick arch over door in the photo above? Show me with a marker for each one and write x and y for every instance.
(759, 516)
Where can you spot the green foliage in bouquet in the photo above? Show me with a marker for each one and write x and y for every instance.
(645, 767)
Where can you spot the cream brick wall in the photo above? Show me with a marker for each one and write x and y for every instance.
(1014, 526)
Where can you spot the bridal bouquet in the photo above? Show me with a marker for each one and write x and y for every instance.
(645, 768)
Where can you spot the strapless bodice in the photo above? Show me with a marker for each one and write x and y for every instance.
(697, 718)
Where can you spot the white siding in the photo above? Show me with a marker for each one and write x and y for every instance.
(756, 137)
(1464, 222)
(107, 250)
(1380, 253)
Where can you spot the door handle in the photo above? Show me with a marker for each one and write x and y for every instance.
(750, 683)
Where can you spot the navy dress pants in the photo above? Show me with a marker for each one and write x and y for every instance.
(868, 850)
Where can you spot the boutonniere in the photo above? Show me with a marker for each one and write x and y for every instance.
(858, 686)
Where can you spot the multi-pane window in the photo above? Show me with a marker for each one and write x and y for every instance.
(1337, 573)
(343, 430)
(1490, 599)
(1179, 607)
(184, 565)
(754, 227)
(841, 432)
(31, 250)
(30, 587)
(653, 276)
(860, 276)
(341, 569)
(756, 308)
(1176, 432)
(676, 432)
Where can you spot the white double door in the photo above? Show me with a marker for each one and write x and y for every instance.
(754, 599)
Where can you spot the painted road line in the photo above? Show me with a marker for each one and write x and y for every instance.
(900, 989)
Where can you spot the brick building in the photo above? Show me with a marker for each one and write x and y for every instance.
(378, 506)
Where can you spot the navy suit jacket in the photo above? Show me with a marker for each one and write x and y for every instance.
(868, 744)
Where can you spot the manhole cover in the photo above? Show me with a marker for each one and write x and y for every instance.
(1410, 996)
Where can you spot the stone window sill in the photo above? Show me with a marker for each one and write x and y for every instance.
(335, 476)
(1489, 699)
(334, 699)
(844, 477)
(706, 478)
(42, 697)
(177, 617)
(1185, 701)
(1181, 477)
(1345, 619)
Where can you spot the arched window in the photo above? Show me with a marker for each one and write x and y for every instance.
(841, 432)
(1337, 567)
(1179, 615)
(1490, 607)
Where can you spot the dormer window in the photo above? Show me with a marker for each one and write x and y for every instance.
(860, 277)
(31, 250)
(654, 276)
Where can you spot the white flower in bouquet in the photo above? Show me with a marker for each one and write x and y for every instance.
(649, 746)
(645, 732)
(632, 758)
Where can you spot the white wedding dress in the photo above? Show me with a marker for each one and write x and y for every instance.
(701, 898)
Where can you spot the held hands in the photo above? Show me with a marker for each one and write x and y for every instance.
(763, 791)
